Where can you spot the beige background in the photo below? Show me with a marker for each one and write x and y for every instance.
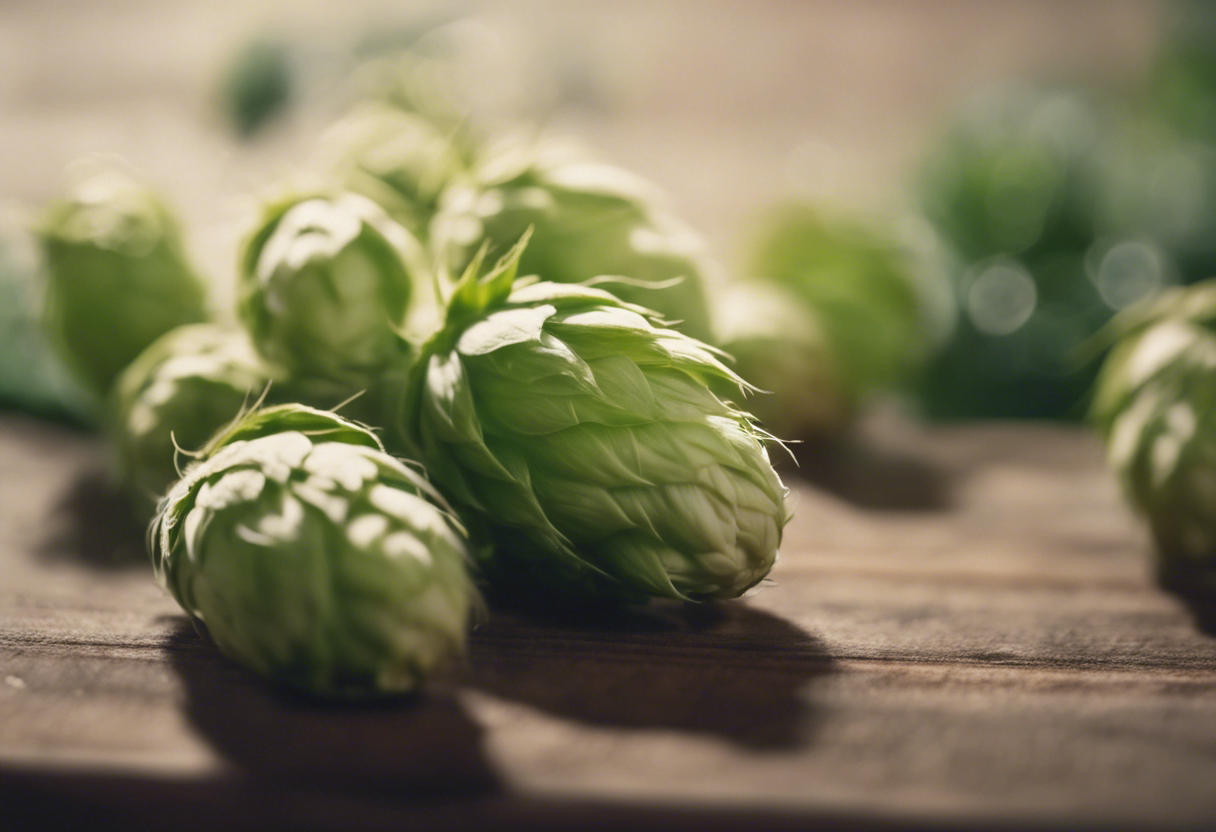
(728, 105)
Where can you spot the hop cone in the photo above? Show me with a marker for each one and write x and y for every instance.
(1156, 403)
(586, 439)
(875, 312)
(315, 558)
(118, 276)
(588, 219)
(779, 344)
(32, 375)
(400, 159)
(187, 385)
(325, 284)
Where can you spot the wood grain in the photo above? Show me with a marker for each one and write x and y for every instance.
(999, 655)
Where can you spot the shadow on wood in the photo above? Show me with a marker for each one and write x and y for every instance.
(724, 669)
(1195, 587)
(424, 743)
(103, 802)
(869, 476)
(94, 525)
(1203, 610)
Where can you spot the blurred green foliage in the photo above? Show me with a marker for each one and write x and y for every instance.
(258, 86)
(780, 345)
(1182, 88)
(1061, 209)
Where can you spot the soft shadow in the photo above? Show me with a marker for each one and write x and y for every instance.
(724, 669)
(419, 744)
(1203, 611)
(1197, 591)
(93, 524)
(867, 476)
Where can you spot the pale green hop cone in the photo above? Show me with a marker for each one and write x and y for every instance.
(780, 345)
(188, 384)
(315, 558)
(584, 436)
(1156, 404)
(325, 285)
(118, 276)
(588, 220)
(33, 377)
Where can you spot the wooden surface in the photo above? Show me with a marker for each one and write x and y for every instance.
(961, 629)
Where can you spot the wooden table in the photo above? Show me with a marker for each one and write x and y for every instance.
(961, 630)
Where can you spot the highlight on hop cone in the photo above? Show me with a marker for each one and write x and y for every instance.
(1156, 404)
(584, 436)
(314, 557)
(325, 285)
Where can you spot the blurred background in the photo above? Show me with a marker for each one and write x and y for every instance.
(728, 106)
(1019, 171)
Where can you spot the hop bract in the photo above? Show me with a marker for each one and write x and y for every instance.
(315, 558)
(325, 285)
(1156, 404)
(187, 385)
(585, 437)
(118, 277)
(589, 220)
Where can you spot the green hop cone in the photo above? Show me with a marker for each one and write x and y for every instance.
(1155, 402)
(877, 311)
(780, 345)
(117, 271)
(400, 159)
(325, 285)
(188, 384)
(32, 375)
(314, 557)
(584, 436)
(588, 220)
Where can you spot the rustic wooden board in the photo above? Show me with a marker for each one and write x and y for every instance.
(961, 629)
